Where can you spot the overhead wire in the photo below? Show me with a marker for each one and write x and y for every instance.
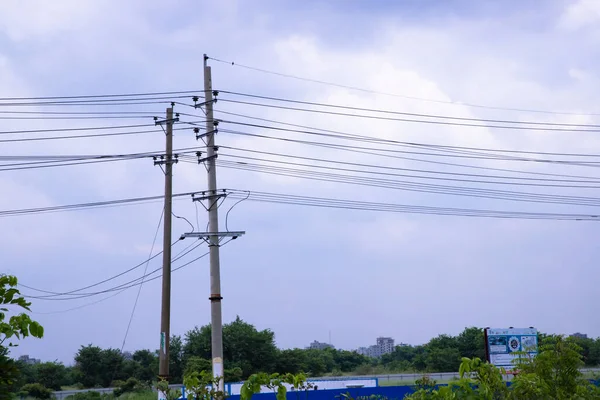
(27, 139)
(144, 94)
(374, 151)
(137, 282)
(137, 297)
(392, 112)
(506, 180)
(337, 133)
(414, 186)
(364, 90)
(346, 204)
(89, 205)
(441, 152)
(430, 122)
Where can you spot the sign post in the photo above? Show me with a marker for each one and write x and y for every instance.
(503, 346)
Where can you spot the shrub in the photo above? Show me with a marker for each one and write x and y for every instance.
(91, 395)
(37, 391)
(131, 385)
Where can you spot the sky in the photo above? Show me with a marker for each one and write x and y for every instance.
(304, 272)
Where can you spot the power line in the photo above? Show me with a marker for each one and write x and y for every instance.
(73, 292)
(126, 286)
(103, 95)
(82, 160)
(416, 186)
(373, 151)
(442, 151)
(395, 95)
(87, 128)
(83, 136)
(398, 208)
(381, 118)
(121, 101)
(130, 284)
(395, 142)
(81, 206)
(339, 162)
(137, 297)
(390, 112)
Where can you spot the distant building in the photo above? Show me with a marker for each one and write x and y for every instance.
(579, 335)
(385, 345)
(28, 360)
(320, 346)
(127, 355)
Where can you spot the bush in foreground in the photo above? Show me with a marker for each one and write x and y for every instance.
(36, 390)
(553, 374)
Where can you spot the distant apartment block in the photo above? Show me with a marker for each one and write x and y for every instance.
(385, 345)
(579, 335)
(28, 360)
(320, 346)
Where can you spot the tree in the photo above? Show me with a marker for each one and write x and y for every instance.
(347, 361)
(88, 365)
(443, 359)
(197, 364)
(176, 362)
(19, 325)
(244, 346)
(291, 361)
(52, 375)
(37, 391)
(147, 363)
(471, 343)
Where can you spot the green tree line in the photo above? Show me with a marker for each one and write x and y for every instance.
(250, 351)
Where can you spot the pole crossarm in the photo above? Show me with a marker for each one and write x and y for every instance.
(207, 235)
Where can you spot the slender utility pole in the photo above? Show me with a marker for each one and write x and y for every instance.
(165, 315)
(216, 318)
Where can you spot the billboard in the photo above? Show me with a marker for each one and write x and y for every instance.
(503, 345)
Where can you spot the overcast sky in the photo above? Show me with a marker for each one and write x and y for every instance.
(304, 272)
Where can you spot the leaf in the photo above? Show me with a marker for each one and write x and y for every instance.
(281, 392)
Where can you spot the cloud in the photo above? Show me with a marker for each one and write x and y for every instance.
(580, 14)
(358, 274)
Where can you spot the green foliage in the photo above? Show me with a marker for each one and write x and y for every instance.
(553, 374)
(9, 374)
(91, 395)
(18, 325)
(53, 375)
(197, 364)
(163, 387)
(274, 382)
(234, 374)
(244, 346)
(425, 383)
(131, 385)
(202, 386)
(176, 364)
(37, 391)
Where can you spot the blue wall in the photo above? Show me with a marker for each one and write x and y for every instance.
(389, 392)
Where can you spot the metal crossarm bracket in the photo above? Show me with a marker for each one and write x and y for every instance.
(165, 121)
(205, 159)
(202, 135)
(208, 235)
(160, 160)
(209, 197)
(197, 105)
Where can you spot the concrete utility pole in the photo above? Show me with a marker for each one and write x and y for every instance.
(165, 315)
(213, 236)
(216, 319)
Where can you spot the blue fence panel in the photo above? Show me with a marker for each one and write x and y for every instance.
(386, 393)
